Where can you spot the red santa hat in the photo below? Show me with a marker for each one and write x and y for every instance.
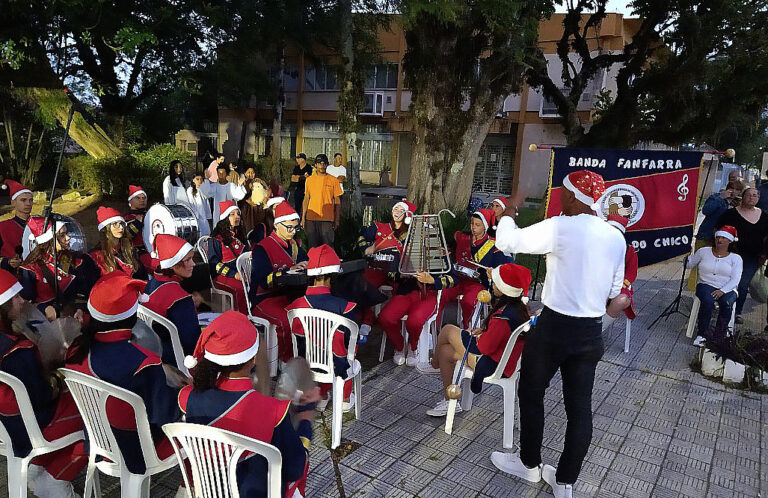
(107, 216)
(728, 232)
(501, 202)
(618, 221)
(226, 207)
(115, 297)
(15, 188)
(284, 212)
(169, 249)
(273, 201)
(9, 286)
(487, 216)
(512, 280)
(231, 339)
(409, 207)
(133, 191)
(323, 260)
(37, 233)
(587, 186)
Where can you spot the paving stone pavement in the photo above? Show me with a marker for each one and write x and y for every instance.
(660, 429)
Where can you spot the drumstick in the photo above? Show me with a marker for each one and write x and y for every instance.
(454, 390)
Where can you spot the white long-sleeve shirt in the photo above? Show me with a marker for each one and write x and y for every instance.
(227, 192)
(202, 210)
(720, 273)
(174, 193)
(585, 260)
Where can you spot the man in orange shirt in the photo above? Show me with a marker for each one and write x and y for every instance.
(321, 209)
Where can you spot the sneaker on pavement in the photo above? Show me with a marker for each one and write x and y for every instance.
(347, 406)
(48, 487)
(548, 473)
(511, 464)
(413, 358)
(441, 409)
(399, 358)
(699, 341)
(427, 369)
(321, 405)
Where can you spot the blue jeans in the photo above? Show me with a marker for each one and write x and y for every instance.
(704, 293)
(750, 267)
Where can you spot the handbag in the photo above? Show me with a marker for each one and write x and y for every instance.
(758, 286)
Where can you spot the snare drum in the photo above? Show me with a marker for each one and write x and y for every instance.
(467, 272)
(77, 242)
(173, 219)
(381, 257)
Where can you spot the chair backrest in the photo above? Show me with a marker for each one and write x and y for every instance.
(91, 395)
(151, 318)
(213, 455)
(243, 265)
(202, 247)
(499, 372)
(319, 328)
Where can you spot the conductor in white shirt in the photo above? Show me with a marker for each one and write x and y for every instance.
(585, 268)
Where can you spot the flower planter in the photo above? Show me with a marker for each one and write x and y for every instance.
(711, 366)
(733, 372)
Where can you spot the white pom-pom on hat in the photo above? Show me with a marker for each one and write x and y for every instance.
(190, 362)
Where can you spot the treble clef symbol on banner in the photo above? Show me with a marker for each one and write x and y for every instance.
(682, 189)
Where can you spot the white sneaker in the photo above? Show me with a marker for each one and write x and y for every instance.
(321, 405)
(412, 359)
(399, 358)
(511, 464)
(441, 409)
(347, 406)
(33, 474)
(699, 341)
(48, 487)
(427, 369)
(365, 329)
(559, 490)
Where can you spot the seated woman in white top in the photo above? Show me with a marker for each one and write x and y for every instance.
(174, 190)
(719, 275)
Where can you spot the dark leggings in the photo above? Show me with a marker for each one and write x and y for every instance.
(573, 345)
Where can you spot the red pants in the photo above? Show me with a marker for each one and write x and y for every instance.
(469, 290)
(66, 463)
(418, 311)
(376, 278)
(630, 311)
(273, 309)
(324, 388)
(234, 287)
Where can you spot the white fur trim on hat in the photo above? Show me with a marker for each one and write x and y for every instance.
(274, 200)
(727, 235)
(402, 205)
(504, 287)
(190, 362)
(168, 263)
(48, 234)
(10, 292)
(22, 191)
(323, 270)
(111, 220)
(287, 217)
(617, 225)
(580, 196)
(482, 218)
(228, 360)
(138, 192)
(500, 201)
(98, 315)
(227, 211)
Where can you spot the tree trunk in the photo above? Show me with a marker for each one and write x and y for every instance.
(277, 120)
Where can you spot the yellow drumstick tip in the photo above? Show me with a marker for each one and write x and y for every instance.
(484, 296)
(533, 147)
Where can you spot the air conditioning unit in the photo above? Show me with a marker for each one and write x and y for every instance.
(373, 104)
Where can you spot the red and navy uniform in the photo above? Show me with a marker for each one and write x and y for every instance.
(490, 345)
(75, 281)
(98, 258)
(115, 359)
(134, 228)
(222, 259)
(11, 233)
(630, 275)
(382, 236)
(408, 300)
(269, 259)
(482, 251)
(168, 299)
(57, 417)
(233, 405)
(320, 298)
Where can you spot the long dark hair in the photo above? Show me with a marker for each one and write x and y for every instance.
(503, 301)
(82, 345)
(222, 228)
(206, 373)
(109, 246)
(173, 175)
(194, 185)
(38, 254)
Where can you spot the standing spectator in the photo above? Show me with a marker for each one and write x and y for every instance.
(12, 230)
(174, 190)
(301, 172)
(222, 190)
(200, 205)
(210, 172)
(763, 189)
(752, 225)
(321, 211)
(338, 170)
(720, 275)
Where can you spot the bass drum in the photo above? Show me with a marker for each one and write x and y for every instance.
(77, 242)
(172, 219)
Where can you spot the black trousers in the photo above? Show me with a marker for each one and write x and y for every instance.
(320, 232)
(573, 345)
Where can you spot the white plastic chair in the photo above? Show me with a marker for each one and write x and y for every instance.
(508, 386)
(213, 455)
(91, 395)
(319, 329)
(149, 317)
(427, 338)
(19, 466)
(243, 265)
(226, 300)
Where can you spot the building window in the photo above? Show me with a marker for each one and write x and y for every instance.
(291, 78)
(382, 76)
(320, 78)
